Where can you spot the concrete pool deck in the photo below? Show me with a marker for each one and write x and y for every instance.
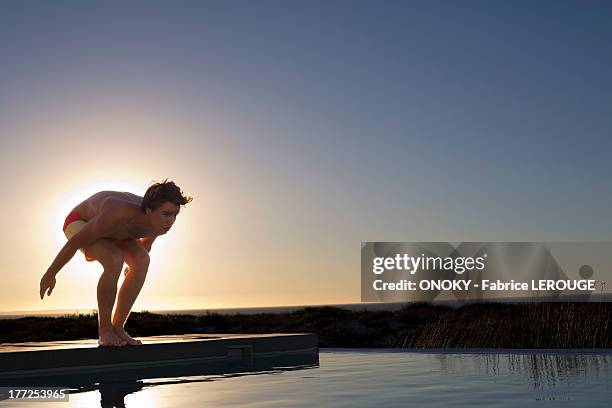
(23, 360)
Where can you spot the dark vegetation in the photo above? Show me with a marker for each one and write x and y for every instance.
(420, 325)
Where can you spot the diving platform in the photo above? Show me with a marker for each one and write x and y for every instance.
(61, 362)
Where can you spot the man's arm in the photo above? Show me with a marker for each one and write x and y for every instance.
(98, 227)
(147, 242)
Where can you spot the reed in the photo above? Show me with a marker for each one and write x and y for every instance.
(417, 325)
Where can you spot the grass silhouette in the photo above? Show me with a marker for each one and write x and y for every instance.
(417, 325)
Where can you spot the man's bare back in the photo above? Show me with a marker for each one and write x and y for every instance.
(125, 207)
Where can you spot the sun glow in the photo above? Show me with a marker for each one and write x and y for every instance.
(75, 193)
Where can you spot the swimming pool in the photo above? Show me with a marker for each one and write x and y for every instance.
(379, 378)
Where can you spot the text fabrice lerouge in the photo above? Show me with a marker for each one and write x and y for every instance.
(460, 265)
(446, 284)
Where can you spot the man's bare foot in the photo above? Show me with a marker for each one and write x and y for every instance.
(109, 338)
(122, 334)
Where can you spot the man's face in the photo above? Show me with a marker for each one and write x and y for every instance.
(163, 217)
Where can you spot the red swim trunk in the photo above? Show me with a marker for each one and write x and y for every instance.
(73, 216)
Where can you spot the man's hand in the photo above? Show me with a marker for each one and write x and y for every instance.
(47, 282)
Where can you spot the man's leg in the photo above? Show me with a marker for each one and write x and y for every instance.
(137, 259)
(111, 258)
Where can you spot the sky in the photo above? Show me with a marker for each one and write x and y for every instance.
(301, 129)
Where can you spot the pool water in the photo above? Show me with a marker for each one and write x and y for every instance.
(378, 378)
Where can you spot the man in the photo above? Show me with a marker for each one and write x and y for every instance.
(114, 227)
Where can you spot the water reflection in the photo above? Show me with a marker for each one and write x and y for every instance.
(115, 385)
(542, 370)
(360, 378)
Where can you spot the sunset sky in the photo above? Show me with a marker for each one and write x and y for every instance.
(300, 129)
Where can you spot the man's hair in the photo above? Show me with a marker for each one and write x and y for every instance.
(161, 192)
